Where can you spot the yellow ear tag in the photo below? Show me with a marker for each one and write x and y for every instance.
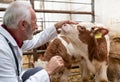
(98, 35)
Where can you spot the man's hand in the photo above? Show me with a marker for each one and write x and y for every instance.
(54, 65)
(60, 23)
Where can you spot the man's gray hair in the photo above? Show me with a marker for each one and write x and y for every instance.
(16, 12)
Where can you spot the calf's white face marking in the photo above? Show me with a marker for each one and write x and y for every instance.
(76, 46)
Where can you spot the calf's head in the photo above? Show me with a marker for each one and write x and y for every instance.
(71, 32)
(94, 37)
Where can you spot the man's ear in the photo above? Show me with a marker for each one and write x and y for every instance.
(22, 24)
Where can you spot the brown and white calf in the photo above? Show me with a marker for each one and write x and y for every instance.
(95, 52)
(85, 44)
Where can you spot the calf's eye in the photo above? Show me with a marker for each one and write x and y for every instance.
(92, 28)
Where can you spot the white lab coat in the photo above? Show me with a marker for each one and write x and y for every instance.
(7, 61)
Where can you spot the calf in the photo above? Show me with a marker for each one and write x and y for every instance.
(66, 45)
(85, 43)
(95, 52)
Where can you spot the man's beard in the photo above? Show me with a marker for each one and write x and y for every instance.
(29, 32)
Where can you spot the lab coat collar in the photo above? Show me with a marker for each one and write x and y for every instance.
(7, 35)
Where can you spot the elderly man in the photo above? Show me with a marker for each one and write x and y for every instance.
(16, 36)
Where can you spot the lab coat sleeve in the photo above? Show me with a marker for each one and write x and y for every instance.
(41, 38)
(41, 76)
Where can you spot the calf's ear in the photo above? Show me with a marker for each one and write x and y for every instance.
(104, 31)
(101, 32)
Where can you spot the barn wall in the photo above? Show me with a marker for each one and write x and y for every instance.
(108, 13)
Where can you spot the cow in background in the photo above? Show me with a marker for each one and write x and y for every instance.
(85, 43)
